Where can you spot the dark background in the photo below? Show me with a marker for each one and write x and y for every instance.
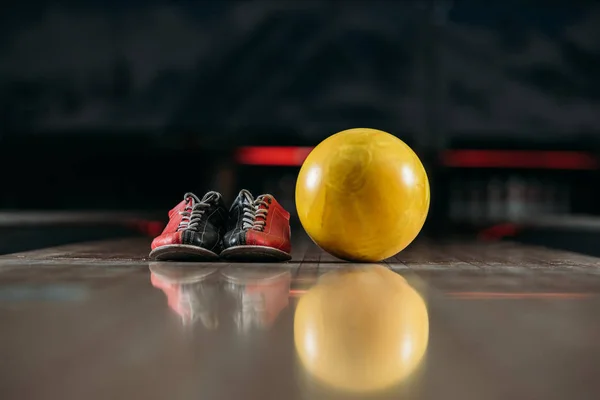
(127, 105)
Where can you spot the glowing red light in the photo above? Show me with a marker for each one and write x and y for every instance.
(148, 228)
(283, 156)
(571, 160)
(498, 232)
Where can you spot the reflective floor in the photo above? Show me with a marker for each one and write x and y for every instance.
(439, 321)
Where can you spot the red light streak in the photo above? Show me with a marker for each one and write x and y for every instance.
(564, 160)
(499, 231)
(281, 156)
(294, 156)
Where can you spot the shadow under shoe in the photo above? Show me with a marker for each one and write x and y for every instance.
(195, 230)
(257, 230)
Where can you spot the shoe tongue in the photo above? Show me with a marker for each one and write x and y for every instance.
(211, 197)
(246, 197)
(265, 197)
(262, 199)
(191, 197)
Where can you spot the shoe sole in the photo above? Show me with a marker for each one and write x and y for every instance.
(182, 252)
(255, 253)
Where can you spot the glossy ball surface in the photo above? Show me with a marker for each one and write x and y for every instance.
(362, 195)
(362, 330)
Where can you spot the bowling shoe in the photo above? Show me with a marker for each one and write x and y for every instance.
(195, 230)
(257, 229)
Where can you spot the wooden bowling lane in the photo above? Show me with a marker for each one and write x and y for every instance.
(98, 320)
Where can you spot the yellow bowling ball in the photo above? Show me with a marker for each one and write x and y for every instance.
(362, 195)
(361, 330)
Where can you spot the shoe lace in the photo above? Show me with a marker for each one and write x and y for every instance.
(254, 216)
(193, 212)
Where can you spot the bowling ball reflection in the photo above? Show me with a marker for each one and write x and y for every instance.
(361, 330)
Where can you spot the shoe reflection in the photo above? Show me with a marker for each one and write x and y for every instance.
(361, 330)
(191, 292)
(251, 298)
(259, 293)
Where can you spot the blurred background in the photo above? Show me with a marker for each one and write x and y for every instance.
(121, 107)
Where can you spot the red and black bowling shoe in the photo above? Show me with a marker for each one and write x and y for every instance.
(257, 229)
(195, 230)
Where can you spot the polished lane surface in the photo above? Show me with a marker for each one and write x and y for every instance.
(452, 321)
